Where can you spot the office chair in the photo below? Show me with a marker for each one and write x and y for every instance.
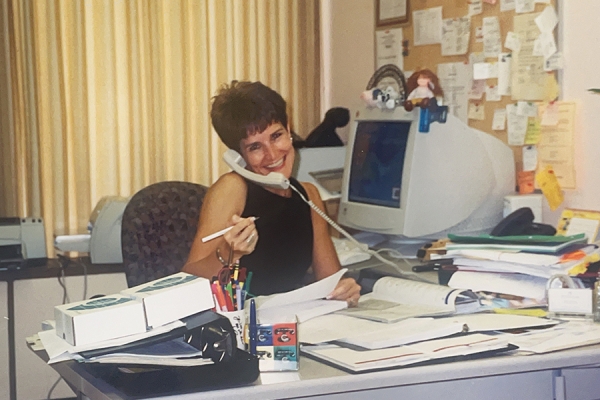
(158, 227)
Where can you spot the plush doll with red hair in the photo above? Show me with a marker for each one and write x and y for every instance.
(424, 90)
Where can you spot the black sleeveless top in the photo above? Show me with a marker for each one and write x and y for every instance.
(283, 252)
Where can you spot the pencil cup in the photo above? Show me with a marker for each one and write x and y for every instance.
(238, 322)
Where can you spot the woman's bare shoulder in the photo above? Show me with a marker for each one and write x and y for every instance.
(229, 188)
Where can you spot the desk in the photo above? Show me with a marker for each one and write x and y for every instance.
(31, 294)
(570, 374)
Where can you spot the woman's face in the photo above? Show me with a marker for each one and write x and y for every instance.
(269, 151)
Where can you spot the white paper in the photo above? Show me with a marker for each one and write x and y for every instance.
(492, 44)
(499, 121)
(570, 300)
(427, 26)
(482, 71)
(548, 45)
(59, 350)
(525, 108)
(554, 62)
(583, 225)
(455, 36)
(516, 126)
(476, 57)
(563, 336)
(547, 20)
(512, 42)
(530, 158)
(389, 48)
(524, 6)
(504, 77)
(475, 7)
(507, 5)
(315, 291)
(550, 115)
(512, 284)
(491, 93)
(390, 9)
(455, 78)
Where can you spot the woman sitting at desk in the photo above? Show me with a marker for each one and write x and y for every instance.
(274, 233)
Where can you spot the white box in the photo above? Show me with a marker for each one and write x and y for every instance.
(533, 201)
(172, 297)
(100, 319)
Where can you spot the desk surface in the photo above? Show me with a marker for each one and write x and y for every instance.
(317, 379)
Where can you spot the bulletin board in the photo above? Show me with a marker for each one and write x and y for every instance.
(430, 56)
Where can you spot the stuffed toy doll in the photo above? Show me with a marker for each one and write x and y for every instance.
(424, 90)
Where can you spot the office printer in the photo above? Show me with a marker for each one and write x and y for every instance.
(104, 239)
(22, 239)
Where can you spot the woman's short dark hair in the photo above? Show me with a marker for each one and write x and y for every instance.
(243, 108)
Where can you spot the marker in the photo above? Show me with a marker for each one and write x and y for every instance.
(221, 232)
(252, 327)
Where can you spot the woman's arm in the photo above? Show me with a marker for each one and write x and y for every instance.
(325, 260)
(222, 205)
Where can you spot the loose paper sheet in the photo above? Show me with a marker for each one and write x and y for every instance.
(475, 7)
(455, 78)
(455, 36)
(528, 76)
(547, 20)
(389, 48)
(477, 111)
(524, 6)
(516, 126)
(499, 121)
(507, 5)
(491, 93)
(530, 158)
(556, 145)
(504, 74)
(427, 26)
(512, 42)
(546, 179)
(492, 43)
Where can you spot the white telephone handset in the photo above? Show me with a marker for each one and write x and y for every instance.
(238, 164)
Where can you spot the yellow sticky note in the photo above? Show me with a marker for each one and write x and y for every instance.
(532, 134)
(547, 182)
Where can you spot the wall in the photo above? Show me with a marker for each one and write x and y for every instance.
(348, 43)
(352, 59)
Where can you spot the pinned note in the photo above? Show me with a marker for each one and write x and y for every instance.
(532, 135)
(525, 181)
(512, 42)
(548, 183)
(530, 158)
(491, 93)
(476, 111)
(499, 121)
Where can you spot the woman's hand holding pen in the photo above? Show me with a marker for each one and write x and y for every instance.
(242, 236)
(346, 289)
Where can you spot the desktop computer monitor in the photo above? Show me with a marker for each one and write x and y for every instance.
(398, 181)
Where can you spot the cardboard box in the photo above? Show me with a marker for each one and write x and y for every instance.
(172, 297)
(100, 319)
(277, 347)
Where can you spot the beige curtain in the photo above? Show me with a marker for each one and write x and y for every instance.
(103, 97)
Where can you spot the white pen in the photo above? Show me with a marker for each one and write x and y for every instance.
(221, 232)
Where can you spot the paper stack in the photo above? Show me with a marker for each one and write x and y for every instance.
(516, 265)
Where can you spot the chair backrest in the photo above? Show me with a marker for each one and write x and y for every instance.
(158, 227)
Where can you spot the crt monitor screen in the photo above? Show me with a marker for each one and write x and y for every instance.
(377, 162)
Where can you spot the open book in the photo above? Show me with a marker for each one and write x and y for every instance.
(394, 299)
(369, 360)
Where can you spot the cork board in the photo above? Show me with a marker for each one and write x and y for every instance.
(430, 56)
